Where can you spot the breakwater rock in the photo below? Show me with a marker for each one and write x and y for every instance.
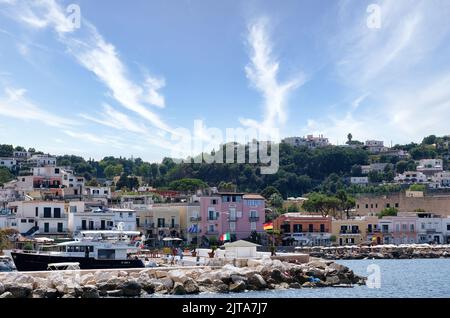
(378, 252)
(258, 275)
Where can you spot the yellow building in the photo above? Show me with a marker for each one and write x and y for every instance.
(354, 231)
(162, 220)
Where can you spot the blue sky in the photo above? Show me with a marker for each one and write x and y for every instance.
(135, 72)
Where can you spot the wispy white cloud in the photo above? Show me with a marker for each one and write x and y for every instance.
(98, 56)
(14, 104)
(262, 71)
(96, 139)
(115, 119)
(396, 64)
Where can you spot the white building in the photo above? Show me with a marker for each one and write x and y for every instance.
(22, 155)
(375, 146)
(7, 219)
(42, 160)
(429, 230)
(430, 166)
(309, 141)
(411, 177)
(8, 162)
(441, 179)
(90, 219)
(97, 192)
(7, 195)
(125, 216)
(377, 167)
(193, 223)
(359, 180)
(46, 217)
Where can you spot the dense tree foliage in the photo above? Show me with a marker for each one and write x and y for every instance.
(302, 170)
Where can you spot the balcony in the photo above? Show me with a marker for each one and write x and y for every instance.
(195, 219)
(349, 232)
(212, 219)
(232, 219)
(253, 218)
(215, 232)
(61, 216)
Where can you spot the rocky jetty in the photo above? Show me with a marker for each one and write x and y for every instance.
(258, 275)
(379, 252)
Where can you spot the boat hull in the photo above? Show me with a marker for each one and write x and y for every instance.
(39, 262)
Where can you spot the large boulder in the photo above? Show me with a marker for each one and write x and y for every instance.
(178, 276)
(332, 280)
(2, 288)
(237, 278)
(131, 288)
(256, 282)
(7, 295)
(219, 286)
(318, 264)
(237, 287)
(167, 282)
(191, 287)
(90, 291)
(20, 290)
(178, 289)
(86, 278)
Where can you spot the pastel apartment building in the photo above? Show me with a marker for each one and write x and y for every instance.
(355, 231)
(301, 229)
(40, 217)
(236, 213)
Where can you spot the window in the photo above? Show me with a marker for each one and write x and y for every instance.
(448, 227)
(138, 222)
(161, 222)
(172, 222)
(322, 228)
(73, 208)
(211, 228)
(422, 226)
(367, 206)
(233, 198)
(56, 170)
(396, 205)
(47, 212)
(357, 206)
(253, 213)
(411, 227)
(30, 220)
(298, 228)
(376, 205)
(46, 227)
(371, 206)
(211, 214)
(130, 214)
(213, 201)
(253, 202)
(310, 228)
(37, 211)
(23, 221)
(57, 212)
(60, 227)
(404, 227)
(397, 227)
(253, 226)
(233, 227)
(388, 205)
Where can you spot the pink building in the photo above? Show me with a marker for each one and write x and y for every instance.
(402, 230)
(237, 213)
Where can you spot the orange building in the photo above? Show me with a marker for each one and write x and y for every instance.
(300, 229)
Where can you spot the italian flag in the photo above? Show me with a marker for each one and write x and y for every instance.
(268, 226)
(225, 237)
